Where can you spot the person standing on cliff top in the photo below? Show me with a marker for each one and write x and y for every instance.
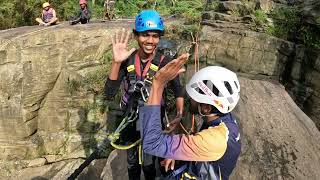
(135, 69)
(109, 9)
(48, 16)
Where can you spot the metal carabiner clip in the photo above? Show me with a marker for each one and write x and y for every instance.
(138, 85)
(144, 93)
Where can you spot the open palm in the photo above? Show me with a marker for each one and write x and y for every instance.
(171, 70)
(120, 45)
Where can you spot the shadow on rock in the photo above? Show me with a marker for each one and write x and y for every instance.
(39, 178)
(87, 130)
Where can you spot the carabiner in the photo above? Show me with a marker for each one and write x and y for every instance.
(144, 94)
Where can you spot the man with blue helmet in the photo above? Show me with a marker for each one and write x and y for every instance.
(135, 69)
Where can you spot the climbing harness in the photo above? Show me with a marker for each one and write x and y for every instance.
(131, 117)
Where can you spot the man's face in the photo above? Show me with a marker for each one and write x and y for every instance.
(82, 6)
(148, 41)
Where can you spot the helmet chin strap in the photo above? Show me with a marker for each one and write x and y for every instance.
(204, 115)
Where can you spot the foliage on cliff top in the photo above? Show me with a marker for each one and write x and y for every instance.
(288, 23)
(23, 12)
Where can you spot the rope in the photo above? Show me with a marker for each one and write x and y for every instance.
(125, 147)
(140, 154)
(195, 43)
(184, 129)
(113, 137)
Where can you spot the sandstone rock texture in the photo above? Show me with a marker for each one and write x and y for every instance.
(38, 115)
(278, 141)
(62, 170)
(227, 40)
(311, 11)
(48, 117)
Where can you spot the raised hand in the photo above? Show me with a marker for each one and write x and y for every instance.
(119, 46)
(165, 74)
(171, 70)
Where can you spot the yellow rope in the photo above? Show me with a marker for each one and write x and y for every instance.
(125, 147)
(140, 154)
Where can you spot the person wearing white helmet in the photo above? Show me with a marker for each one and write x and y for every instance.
(212, 152)
(48, 16)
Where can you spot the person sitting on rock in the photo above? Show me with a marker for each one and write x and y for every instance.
(48, 16)
(211, 153)
(83, 15)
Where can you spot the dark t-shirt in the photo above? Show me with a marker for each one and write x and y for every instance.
(112, 86)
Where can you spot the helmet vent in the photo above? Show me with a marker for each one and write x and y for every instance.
(230, 99)
(228, 86)
(199, 91)
(194, 85)
(212, 87)
(235, 83)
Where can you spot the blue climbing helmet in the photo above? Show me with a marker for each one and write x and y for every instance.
(149, 20)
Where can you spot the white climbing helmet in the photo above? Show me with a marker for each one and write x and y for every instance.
(216, 86)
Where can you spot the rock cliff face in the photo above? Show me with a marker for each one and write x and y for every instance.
(311, 11)
(49, 105)
(39, 116)
(227, 40)
(278, 141)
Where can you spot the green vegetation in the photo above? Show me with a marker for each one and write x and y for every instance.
(73, 86)
(178, 31)
(289, 25)
(23, 12)
(260, 17)
(286, 21)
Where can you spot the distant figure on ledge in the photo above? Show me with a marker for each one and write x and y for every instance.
(48, 16)
(109, 9)
(83, 15)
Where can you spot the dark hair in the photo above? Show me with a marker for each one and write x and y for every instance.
(136, 33)
(214, 110)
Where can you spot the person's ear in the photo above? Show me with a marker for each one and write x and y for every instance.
(206, 108)
(135, 36)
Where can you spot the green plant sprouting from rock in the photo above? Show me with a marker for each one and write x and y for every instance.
(287, 23)
(260, 17)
